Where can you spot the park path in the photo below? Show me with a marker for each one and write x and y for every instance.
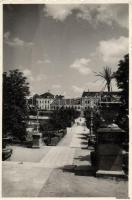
(50, 171)
(63, 154)
(20, 178)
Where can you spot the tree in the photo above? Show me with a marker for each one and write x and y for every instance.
(60, 119)
(15, 113)
(121, 76)
(107, 76)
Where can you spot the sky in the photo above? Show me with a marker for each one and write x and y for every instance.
(60, 47)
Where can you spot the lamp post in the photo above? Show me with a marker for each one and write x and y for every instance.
(91, 118)
(91, 123)
(37, 119)
(37, 136)
(91, 138)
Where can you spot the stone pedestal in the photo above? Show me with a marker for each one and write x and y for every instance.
(37, 140)
(108, 151)
(6, 152)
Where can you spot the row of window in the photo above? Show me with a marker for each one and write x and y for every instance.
(44, 107)
(57, 107)
(89, 101)
(43, 101)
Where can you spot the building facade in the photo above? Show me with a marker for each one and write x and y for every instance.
(48, 101)
(99, 98)
(90, 97)
(44, 101)
(67, 103)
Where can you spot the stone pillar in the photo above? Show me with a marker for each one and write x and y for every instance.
(37, 140)
(108, 151)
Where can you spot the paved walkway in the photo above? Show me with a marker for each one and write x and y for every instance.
(52, 175)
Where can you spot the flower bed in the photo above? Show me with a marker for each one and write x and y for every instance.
(52, 138)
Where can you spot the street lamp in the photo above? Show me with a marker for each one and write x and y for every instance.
(91, 123)
(91, 138)
(91, 118)
(37, 120)
(37, 136)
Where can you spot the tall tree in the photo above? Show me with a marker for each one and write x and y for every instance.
(122, 78)
(107, 76)
(15, 114)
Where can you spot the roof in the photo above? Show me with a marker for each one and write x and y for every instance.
(35, 95)
(59, 96)
(47, 95)
(92, 93)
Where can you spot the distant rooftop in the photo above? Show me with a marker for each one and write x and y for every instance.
(93, 93)
(47, 95)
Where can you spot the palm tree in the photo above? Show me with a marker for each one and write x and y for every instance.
(107, 75)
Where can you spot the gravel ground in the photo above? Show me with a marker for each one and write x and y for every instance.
(23, 154)
(66, 184)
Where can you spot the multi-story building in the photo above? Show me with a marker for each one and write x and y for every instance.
(66, 103)
(90, 97)
(48, 101)
(44, 101)
(98, 98)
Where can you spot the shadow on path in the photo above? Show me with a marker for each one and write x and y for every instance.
(83, 158)
(83, 138)
(82, 170)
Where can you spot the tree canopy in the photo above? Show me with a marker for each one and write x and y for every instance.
(60, 119)
(122, 78)
(15, 114)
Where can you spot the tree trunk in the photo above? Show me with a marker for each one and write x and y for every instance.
(108, 87)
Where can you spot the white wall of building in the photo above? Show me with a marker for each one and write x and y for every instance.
(44, 103)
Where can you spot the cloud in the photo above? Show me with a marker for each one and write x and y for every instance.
(47, 61)
(56, 86)
(64, 93)
(81, 65)
(77, 89)
(41, 77)
(94, 14)
(59, 12)
(113, 13)
(6, 35)
(96, 85)
(16, 42)
(113, 50)
(28, 74)
(40, 61)
(105, 14)
(99, 85)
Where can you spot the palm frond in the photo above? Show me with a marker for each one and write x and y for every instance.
(107, 75)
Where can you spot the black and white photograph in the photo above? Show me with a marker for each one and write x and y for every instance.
(65, 100)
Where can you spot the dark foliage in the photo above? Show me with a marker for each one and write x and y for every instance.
(63, 118)
(60, 119)
(122, 78)
(15, 114)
